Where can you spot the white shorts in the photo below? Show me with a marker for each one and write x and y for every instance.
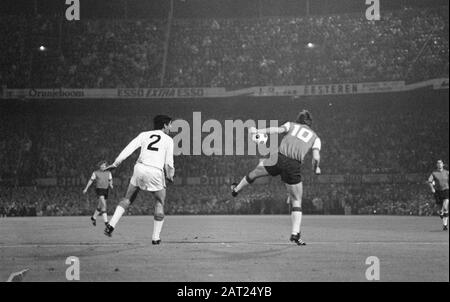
(148, 178)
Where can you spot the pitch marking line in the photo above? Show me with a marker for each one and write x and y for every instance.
(44, 245)
(36, 245)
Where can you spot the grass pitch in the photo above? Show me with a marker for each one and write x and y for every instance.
(226, 248)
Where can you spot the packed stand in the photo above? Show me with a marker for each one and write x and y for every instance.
(230, 53)
(213, 200)
(362, 134)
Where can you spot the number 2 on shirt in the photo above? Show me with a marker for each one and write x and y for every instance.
(150, 146)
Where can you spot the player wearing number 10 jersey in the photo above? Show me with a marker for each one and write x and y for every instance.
(153, 167)
(297, 142)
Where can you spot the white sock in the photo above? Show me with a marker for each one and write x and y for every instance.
(117, 214)
(242, 184)
(105, 217)
(157, 227)
(445, 221)
(95, 214)
(296, 218)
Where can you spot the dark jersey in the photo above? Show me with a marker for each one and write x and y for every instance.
(298, 141)
(440, 179)
(101, 179)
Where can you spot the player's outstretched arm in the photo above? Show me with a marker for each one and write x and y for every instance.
(87, 186)
(270, 130)
(91, 180)
(129, 149)
(110, 167)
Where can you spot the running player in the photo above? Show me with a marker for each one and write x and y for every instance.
(297, 142)
(103, 180)
(154, 165)
(438, 182)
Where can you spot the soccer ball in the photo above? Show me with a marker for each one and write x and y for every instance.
(259, 138)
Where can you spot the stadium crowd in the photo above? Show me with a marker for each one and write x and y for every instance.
(274, 51)
(361, 134)
(209, 200)
(229, 53)
(401, 133)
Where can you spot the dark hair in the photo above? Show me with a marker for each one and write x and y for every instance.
(160, 121)
(304, 118)
(100, 163)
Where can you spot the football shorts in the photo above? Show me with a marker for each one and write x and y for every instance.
(102, 192)
(148, 178)
(289, 169)
(440, 196)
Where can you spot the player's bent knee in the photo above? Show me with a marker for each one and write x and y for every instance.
(159, 217)
(249, 179)
(124, 203)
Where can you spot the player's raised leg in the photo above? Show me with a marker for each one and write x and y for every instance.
(158, 221)
(295, 196)
(259, 171)
(129, 198)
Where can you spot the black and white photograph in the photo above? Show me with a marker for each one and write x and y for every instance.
(224, 146)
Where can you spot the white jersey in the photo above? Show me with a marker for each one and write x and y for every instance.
(156, 149)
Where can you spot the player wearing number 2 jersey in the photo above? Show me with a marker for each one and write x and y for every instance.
(297, 142)
(153, 167)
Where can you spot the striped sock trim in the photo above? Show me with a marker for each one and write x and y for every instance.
(296, 209)
(159, 217)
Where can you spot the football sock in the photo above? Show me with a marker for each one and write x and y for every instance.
(157, 227)
(95, 214)
(296, 218)
(244, 182)
(445, 219)
(105, 217)
(117, 215)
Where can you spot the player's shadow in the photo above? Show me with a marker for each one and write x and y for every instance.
(230, 253)
(234, 255)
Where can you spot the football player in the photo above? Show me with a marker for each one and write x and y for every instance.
(297, 142)
(103, 180)
(438, 182)
(153, 167)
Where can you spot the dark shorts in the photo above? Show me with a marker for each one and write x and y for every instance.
(102, 192)
(288, 168)
(440, 196)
